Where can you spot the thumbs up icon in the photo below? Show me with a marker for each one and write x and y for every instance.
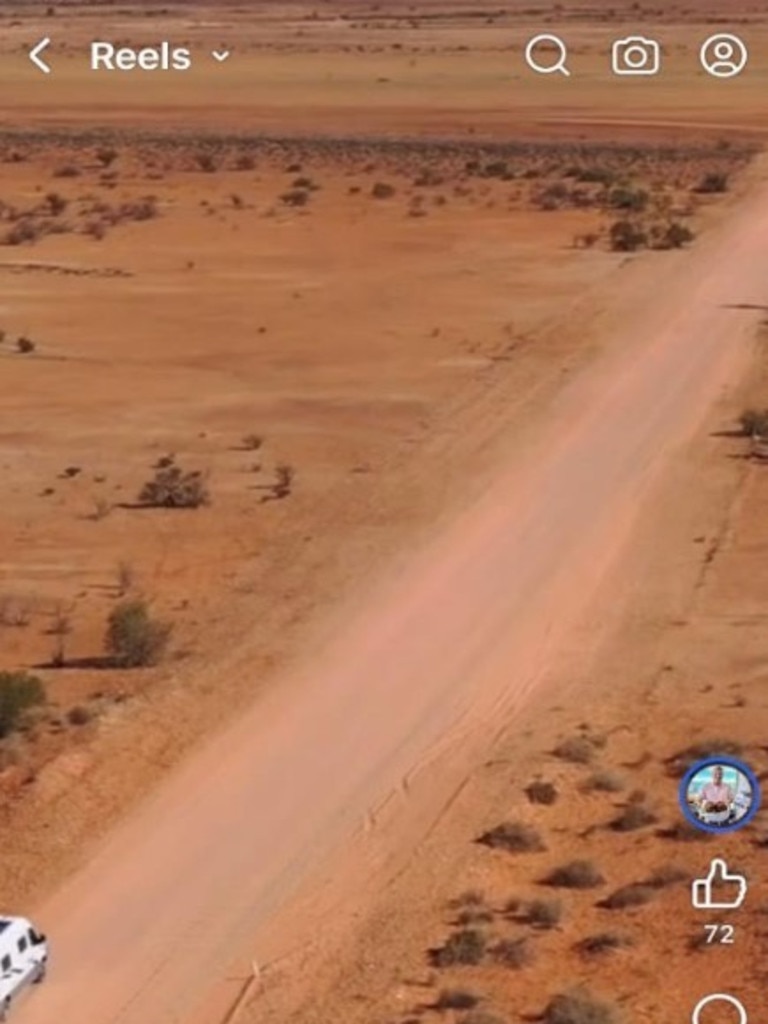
(720, 890)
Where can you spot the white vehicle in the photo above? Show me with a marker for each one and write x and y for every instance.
(23, 959)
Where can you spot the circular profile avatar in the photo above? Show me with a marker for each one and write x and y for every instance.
(719, 794)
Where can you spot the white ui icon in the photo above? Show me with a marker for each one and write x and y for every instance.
(720, 889)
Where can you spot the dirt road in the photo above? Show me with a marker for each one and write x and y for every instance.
(149, 926)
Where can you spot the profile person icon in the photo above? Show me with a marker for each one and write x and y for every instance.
(716, 798)
(719, 794)
(724, 55)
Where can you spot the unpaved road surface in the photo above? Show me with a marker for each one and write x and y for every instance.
(150, 925)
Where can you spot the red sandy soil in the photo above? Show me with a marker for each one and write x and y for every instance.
(456, 643)
(480, 417)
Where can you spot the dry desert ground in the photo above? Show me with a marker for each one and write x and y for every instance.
(386, 304)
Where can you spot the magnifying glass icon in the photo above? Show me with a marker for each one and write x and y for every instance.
(547, 42)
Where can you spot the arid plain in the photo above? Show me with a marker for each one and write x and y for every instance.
(344, 276)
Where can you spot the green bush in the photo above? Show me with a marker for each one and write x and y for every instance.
(134, 639)
(19, 693)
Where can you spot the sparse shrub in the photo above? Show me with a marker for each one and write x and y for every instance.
(172, 487)
(474, 915)
(633, 895)
(672, 236)
(586, 240)
(684, 832)
(713, 183)
(134, 639)
(456, 999)
(666, 874)
(381, 190)
(284, 475)
(627, 236)
(595, 175)
(95, 229)
(468, 898)
(633, 200)
(576, 874)
(544, 914)
(466, 946)
(23, 231)
(603, 942)
(245, 162)
(754, 422)
(56, 203)
(578, 1007)
(106, 156)
(541, 792)
(516, 953)
(514, 837)
(19, 693)
(25, 345)
(252, 442)
(78, 715)
(124, 577)
(679, 763)
(295, 197)
(482, 1017)
(471, 908)
(66, 171)
(552, 197)
(576, 749)
(496, 169)
(633, 817)
(206, 162)
(141, 209)
(605, 782)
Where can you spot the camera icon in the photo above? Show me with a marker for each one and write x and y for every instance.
(636, 55)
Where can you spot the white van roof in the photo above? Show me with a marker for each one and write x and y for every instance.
(13, 924)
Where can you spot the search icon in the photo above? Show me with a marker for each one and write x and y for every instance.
(548, 42)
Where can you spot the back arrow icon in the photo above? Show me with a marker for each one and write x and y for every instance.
(34, 55)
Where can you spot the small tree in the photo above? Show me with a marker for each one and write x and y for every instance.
(134, 639)
(19, 692)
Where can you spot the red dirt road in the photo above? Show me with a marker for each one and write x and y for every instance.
(150, 925)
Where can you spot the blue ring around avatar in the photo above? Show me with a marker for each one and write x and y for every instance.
(726, 762)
